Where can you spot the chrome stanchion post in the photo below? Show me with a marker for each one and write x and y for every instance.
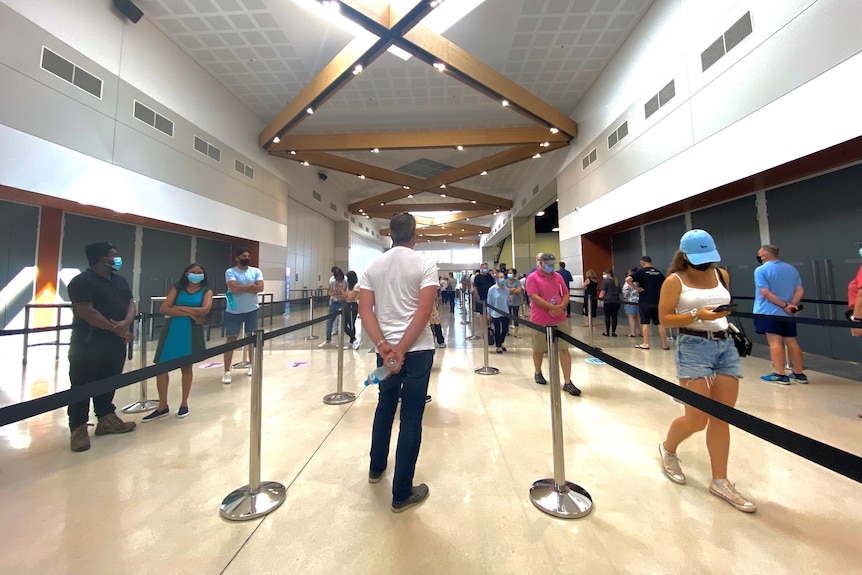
(486, 369)
(311, 335)
(557, 496)
(57, 341)
(472, 335)
(340, 396)
(589, 317)
(143, 404)
(464, 309)
(26, 334)
(255, 499)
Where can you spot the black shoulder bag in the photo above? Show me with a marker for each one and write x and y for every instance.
(737, 332)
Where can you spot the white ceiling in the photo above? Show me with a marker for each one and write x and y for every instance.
(266, 51)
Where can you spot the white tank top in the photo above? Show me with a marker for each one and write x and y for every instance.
(691, 298)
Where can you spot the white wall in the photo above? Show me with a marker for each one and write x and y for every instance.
(363, 251)
(310, 247)
(789, 89)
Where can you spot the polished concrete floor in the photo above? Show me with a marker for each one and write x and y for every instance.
(148, 501)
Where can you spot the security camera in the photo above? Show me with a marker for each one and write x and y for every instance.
(323, 177)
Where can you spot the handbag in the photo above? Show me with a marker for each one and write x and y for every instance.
(737, 332)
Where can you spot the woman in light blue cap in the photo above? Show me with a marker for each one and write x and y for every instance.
(706, 358)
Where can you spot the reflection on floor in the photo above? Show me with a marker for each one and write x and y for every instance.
(147, 502)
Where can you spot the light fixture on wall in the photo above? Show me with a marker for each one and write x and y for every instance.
(540, 214)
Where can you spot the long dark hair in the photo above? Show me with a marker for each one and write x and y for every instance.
(183, 282)
(352, 280)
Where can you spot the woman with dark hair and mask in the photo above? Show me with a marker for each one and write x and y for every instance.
(351, 298)
(706, 358)
(186, 305)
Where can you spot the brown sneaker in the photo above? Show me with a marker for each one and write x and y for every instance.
(80, 438)
(112, 424)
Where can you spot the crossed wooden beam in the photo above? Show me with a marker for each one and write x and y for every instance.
(390, 26)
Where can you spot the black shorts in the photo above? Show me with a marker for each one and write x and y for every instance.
(648, 313)
(774, 326)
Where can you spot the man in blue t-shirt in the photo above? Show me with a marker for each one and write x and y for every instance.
(567, 277)
(244, 282)
(778, 289)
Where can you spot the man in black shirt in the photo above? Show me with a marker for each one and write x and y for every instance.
(648, 281)
(481, 284)
(103, 313)
(568, 278)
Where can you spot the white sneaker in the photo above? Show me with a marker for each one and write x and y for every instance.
(727, 491)
(441, 345)
(225, 379)
(249, 371)
(356, 343)
(670, 465)
(325, 344)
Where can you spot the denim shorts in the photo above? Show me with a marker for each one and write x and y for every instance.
(631, 309)
(698, 357)
(233, 321)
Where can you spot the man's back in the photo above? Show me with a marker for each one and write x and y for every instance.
(781, 278)
(651, 280)
(396, 278)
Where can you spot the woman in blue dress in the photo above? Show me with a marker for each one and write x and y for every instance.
(186, 305)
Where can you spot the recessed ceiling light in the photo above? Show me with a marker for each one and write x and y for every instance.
(293, 152)
(459, 148)
(442, 186)
(309, 110)
(276, 140)
(361, 176)
(382, 203)
(540, 214)
(442, 195)
(505, 103)
(409, 195)
(472, 201)
(305, 163)
(375, 150)
(406, 187)
(545, 144)
(537, 155)
(484, 173)
(555, 229)
(357, 70)
(554, 130)
(440, 66)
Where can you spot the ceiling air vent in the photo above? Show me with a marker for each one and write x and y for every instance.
(153, 119)
(535, 189)
(352, 219)
(731, 38)
(333, 207)
(66, 70)
(424, 168)
(207, 149)
(315, 195)
(346, 215)
(618, 135)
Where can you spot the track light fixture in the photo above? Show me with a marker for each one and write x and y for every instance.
(276, 140)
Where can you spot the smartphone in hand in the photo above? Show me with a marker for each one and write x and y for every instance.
(725, 307)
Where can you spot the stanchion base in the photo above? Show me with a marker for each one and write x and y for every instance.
(339, 398)
(242, 505)
(569, 501)
(472, 337)
(141, 406)
(311, 337)
(241, 365)
(487, 370)
(465, 322)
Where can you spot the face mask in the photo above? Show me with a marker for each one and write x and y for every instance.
(501, 281)
(548, 268)
(485, 270)
(860, 252)
(760, 259)
(117, 263)
(195, 278)
(511, 276)
(244, 261)
(700, 267)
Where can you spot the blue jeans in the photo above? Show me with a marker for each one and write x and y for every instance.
(333, 306)
(411, 384)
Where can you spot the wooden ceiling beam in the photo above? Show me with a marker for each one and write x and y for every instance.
(431, 47)
(448, 241)
(388, 210)
(334, 76)
(458, 217)
(494, 162)
(478, 197)
(324, 160)
(418, 140)
(449, 226)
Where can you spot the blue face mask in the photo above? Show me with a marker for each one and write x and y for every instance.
(501, 281)
(510, 276)
(118, 263)
(484, 270)
(195, 278)
(860, 252)
(548, 268)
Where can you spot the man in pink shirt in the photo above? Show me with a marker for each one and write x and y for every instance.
(549, 296)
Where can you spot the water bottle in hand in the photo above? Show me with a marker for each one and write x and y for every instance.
(381, 372)
(553, 300)
(229, 297)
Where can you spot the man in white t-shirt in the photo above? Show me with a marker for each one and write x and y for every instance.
(244, 282)
(397, 294)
